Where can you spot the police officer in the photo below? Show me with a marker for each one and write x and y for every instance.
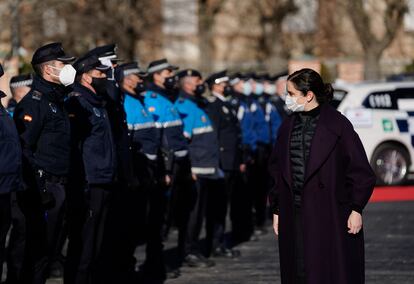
(203, 146)
(272, 116)
(10, 169)
(259, 175)
(159, 100)
(226, 125)
(149, 201)
(93, 160)
(44, 132)
(242, 206)
(19, 86)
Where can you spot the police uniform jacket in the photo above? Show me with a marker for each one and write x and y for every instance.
(198, 129)
(44, 130)
(168, 121)
(10, 153)
(228, 133)
(92, 139)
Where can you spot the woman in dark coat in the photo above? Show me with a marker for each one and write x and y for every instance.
(322, 183)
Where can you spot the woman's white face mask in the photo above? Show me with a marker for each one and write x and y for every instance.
(293, 105)
(66, 75)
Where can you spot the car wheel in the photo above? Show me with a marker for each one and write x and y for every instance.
(390, 163)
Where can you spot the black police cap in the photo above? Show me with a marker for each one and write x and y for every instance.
(24, 80)
(51, 51)
(108, 50)
(217, 78)
(189, 73)
(87, 63)
(159, 65)
(128, 69)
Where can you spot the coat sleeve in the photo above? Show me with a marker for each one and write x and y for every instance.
(360, 178)
(29, 122)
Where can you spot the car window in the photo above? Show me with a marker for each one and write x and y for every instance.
(389, 99)
(338, 97)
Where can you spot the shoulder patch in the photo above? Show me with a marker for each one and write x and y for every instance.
(73, 94)
(27, 118)
(153, 95)
(37, 95)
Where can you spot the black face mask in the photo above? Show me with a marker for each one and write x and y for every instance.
(99, 84)
(227, 91)
(200, 89)
(140, 88)
(170, 83)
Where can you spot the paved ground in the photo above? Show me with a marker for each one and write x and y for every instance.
(389, 231)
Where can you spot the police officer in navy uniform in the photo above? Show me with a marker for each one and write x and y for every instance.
(93, 164)
(43, 126)
(10, 171)
(19, 86)
(228, 133)
(159, 100)
(150, 200)
(204, 155)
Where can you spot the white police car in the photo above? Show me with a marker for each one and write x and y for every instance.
(383, 116)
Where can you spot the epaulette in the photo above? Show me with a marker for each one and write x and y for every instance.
(36, 95)
(211, 99)
(181, 100)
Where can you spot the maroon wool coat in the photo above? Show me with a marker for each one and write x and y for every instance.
(338, 176)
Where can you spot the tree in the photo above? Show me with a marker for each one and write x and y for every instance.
(207, 11)
(372, 45)
(271, 16)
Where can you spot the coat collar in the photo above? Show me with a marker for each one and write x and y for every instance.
(324, 140)
(54, 92)
(86, 93)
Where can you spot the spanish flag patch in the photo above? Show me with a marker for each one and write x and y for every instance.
(27, 118)
(151, 109)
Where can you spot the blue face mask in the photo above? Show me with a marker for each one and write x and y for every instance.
(247, 88)
(259, 89)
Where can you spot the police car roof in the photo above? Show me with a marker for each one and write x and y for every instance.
(372, 85)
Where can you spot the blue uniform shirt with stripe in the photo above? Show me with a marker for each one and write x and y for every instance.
(166, 119)
(261, 127)
(199, 130)
(141, 125)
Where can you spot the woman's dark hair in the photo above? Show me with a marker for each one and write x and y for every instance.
(306, 80)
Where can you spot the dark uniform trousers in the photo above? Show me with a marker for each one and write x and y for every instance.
(43, 229)
(86, 248)
(260, 184)
(5, 217)
(210, 194)
(17, 240)
(300, 277)
(182, 200)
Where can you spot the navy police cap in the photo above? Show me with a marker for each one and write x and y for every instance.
(159, 65)
(87, 63)
(49, 52)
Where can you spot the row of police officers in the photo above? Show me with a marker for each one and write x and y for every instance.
(108, 156)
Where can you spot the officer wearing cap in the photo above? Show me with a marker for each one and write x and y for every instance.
(19, 86)
(242, 222)
(44, 131)
(93, 165)
(159, 100)
(10, 168)
(228, 133)
(114, 105)
(272, 114)
(204, 155)
(259, 174)
(148, 203)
